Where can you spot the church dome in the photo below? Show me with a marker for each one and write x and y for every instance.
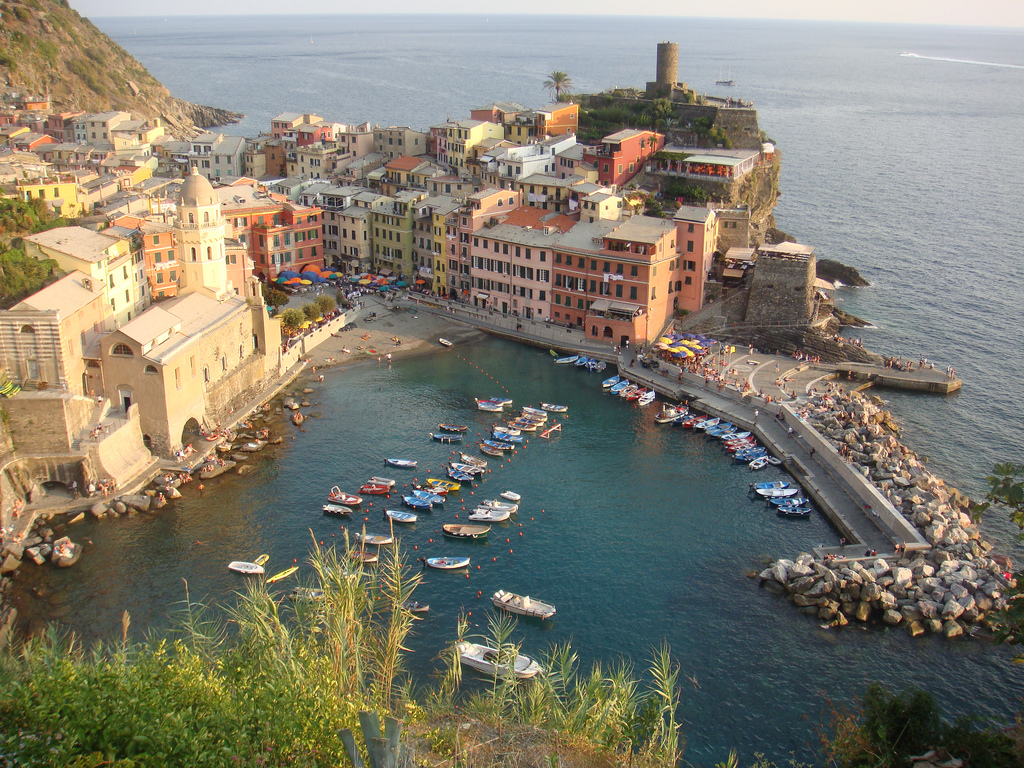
(197, 191)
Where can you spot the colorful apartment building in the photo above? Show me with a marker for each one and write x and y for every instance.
(485, 206)
(429, 242)
(697, 237)
(558, 119)
(286, 124)
(399, 140)
(98, 126)
(159, 251)
(393, 225)
(549, 193)
(407, 172)
(462, 136)
(61, 194)
(622, 155)
(289, 239)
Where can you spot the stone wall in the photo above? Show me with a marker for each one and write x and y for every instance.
(781, 292)
(46, 423)
(120, 455)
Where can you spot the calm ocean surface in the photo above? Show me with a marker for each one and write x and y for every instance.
(906, 168)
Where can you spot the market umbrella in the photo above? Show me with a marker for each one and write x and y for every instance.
(383, 288)
(289, 273)
(365, 282)
(402, 283)
(306, 282)
(421, 281)
(293, 280)
(280, 279)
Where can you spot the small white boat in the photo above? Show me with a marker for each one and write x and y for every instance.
(489, 515)
(407, 463)
(567, 359)
(444, 342)
(773, 460)
(249, 569)
(759, 463)
(446, 563)
(375, 539)
(777, 493)
(467, 459)
(510, 495)
(503, 506)
(524, 605)
(401, 516)
(387, 481)
(554, 408)
(647, 398)
(486, 659)
(337, 509)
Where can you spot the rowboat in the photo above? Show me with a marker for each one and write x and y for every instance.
(444, 342)
(364, 557)
(553, 408)
(262, 560)
(282, 574)
(467, 459)
(688, 423)
(636, 394)
(566, 360)
(498, 429)
(647, 398)
(524, 425)
(433, 498)
(462, 477)
(490, 451)
(748, 456)
(446, 437)
(413, 607)
(493, 407)
(501, 400)
(337, 509)
(488, 515)
(469, 469)
(522, 604)
(627, 392)
(620, 385)
(793, 511)
(458, 531)
(249, 569)
(759, 463)
(372, 489)
(452, 427)
(736, 436)
(538, 414)
(510, 495)
(382, 481)
(407, 463)
(775, 484)
(597, 365)
(485, 659)
(374, 539)
(401, 516)
(792, 501)
(446, 563)
(340, 497)
(719, 429)
(415, 502)
(609, 383)
(451, 485)
(583, 360)
(507, 438)
(774, 460)
(707, 423)
(777, 493)
(501, 446)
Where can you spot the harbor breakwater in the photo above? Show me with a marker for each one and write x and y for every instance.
(952, 588)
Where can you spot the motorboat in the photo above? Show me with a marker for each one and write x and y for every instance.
(382, 481)
(523, 605)
(340, 497)
(400, 516)
(406, 463)
(647, 398)
(503, 505)
(446, 437)
(414, 607)
(759, 463)
(488, 515)
(452, 427)
(510, 496)
(338, 510)
(609, 383)
(439, 490)
(249, 569)
(667, 414)
(487, 660)
(792, 501)
(554, 408)
(777, 493)
(459, 531)
(446, 563)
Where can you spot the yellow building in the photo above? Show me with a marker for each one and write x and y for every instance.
(59, 192)
(107, 260)
(463, 135)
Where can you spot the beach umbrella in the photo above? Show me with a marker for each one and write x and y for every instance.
(402, 283)
(383, 288)
(661, 345)
(293, 280)
(305, 282)
(365, 282)
(280, 279)
(289, 273)
(392, 279)
(353, 278)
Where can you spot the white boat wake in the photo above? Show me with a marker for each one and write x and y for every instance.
(963, 61)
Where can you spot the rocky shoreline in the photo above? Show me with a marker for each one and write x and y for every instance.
(951, 589)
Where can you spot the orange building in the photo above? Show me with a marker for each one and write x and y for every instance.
(622, 155)
(159, 252)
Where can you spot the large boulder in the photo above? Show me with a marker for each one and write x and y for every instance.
(863, 611)
(892, 617)
(139, 502)
(952, 610)
(10, 564)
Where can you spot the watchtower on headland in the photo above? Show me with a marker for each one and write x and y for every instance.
(667, 73)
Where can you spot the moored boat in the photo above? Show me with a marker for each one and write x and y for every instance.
(467, 459)
(401, 516)
(566, 360)
(498, 445)
(414, 607)
(451, 485)
(452, 427)
(433, 498)
(446, 437)
(340, 497)
(249, 569)
(707, 423)
(488, 515)
(759, 463)
(446, 563)
(611, 382)
(490, 451)
(620, 385)
(382, 481)
(444, 342)
(510, 495)
(372, 489)
(777, 493)
(367, 558)
(338, 510)
(487, 660)
(282, 574)
(406, 463)
(374, 539)
(793, 511)
(503, 505)
(523, 605)
(458, 531)
(554, 407)
(415, 502)
(647, 398)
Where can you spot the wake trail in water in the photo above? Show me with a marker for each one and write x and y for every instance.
(963, 61)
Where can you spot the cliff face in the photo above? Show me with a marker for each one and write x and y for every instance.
(47, 48)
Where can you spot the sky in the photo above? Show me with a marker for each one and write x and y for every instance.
(985, 13)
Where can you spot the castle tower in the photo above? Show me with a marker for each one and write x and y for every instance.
(199, 231)
(668, 65)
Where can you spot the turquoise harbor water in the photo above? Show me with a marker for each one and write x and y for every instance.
(905, 168)
(637, 532)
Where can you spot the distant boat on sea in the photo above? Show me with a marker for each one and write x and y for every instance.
(726, 81)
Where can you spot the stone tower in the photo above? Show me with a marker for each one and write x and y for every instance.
(668, 65)
(199, 231)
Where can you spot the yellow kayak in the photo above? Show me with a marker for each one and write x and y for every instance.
(451, 485)
(283, 574)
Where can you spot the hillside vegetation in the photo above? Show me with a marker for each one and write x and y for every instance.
(46, 47)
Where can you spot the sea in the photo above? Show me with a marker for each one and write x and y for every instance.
(900, 149)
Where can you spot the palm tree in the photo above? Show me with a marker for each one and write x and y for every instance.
(557, 84)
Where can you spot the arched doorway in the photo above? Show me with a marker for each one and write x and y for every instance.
(191, 432)
(607, 333)
(624, 341)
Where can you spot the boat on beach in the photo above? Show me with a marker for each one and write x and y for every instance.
(485, 659)
(523, 605)
(338, 510)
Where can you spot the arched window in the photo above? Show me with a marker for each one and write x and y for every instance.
(122, 350)
(150, 369)
(607, 333)
(593, 330)
(206, 217)
(191, 218)
(193, 253)
(28, 329)
(209, 253)
(206, 375)
(224, 362)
